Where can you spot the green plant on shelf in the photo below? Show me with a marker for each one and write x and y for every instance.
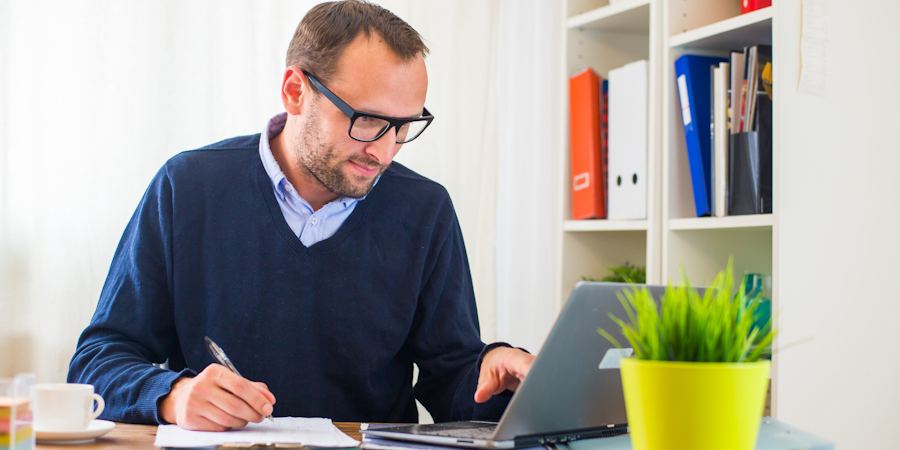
(626, 273)
(685, 326)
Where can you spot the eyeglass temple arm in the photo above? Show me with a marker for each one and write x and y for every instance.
(343, 106)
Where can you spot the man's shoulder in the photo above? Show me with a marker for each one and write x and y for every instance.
(408, 192)
(241, 142)
(401, 175)
(237, 152)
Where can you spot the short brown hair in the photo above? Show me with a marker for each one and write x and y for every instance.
(328, 28)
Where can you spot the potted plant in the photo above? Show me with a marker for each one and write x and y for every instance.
(696, 380)
(626, 273)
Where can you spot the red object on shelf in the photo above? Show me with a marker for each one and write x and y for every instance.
(753, 5)
(588, 184)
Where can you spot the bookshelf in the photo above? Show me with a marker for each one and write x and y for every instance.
(701, 246)
(672, 238)
(604, 37)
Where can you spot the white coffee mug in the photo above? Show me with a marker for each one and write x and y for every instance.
(65, 406)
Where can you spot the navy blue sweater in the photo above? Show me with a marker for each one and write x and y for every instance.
(332, 329)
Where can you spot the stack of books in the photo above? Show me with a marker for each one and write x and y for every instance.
(726, 107)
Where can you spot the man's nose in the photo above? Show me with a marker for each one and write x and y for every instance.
(384, 148)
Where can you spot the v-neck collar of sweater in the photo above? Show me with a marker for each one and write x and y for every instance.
(265, 187)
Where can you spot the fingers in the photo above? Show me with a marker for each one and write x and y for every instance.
(487, 385)
(220, 419)
(218, 399)
(265, 391)
(519, 364)
(502, 369)
(197, 422)
(493, 383)
(239, 396)
(232, 407)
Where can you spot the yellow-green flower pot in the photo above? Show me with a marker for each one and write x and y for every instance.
(695, 406)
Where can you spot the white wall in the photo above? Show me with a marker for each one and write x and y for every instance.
(839, 242)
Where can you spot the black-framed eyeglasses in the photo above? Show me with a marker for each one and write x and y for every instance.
(367, 127)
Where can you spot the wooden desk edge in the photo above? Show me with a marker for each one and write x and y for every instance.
(141, 437)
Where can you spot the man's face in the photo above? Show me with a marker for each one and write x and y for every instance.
(372, 79)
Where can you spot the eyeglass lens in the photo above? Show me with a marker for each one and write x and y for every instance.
(368, 128)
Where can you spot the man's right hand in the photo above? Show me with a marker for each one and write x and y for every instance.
(216, 400)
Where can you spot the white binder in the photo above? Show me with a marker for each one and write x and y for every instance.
(720, 147)
(627, 163)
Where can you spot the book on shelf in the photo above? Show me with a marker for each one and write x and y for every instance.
(604, 138)
(752, 5)
(694, 82)
(719, 139)
(713, 74)
(742, 99)
(737, 72)
(762, 55)
(586, 146)
(628, 115)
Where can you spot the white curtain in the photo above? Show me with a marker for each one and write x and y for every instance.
(530, 77)
(96, 95)
(459, 150)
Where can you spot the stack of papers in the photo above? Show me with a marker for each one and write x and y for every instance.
(308, 432)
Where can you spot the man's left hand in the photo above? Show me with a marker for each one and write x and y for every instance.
(502, 368)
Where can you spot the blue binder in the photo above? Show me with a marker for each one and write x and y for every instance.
(692, 76)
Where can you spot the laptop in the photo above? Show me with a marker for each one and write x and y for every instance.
(573, 391)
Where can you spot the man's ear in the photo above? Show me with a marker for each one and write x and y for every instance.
(294, 90)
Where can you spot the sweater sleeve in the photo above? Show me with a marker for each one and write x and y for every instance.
(133, 325)
(446, 338)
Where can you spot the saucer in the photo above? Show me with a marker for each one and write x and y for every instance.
(94, 430)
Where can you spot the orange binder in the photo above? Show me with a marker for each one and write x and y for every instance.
(588, 183)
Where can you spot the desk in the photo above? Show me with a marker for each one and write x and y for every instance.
(141, 437)
(774, 435)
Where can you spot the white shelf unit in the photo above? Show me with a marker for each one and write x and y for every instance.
(672, 239)
(702, 246)
(605, 37)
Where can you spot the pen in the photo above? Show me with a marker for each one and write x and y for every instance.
(219, 355)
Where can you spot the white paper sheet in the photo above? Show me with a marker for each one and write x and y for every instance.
(310, 432)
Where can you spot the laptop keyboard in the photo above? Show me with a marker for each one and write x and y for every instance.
(481, 431)
(472, 433)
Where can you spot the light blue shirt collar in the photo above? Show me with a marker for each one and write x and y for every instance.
(279, 182)
(310, 226)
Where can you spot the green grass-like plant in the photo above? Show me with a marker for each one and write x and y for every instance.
(626, 273)
(687, 327)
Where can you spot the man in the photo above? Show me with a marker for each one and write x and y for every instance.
(321, 268)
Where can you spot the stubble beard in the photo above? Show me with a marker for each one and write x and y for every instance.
(321, 162)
